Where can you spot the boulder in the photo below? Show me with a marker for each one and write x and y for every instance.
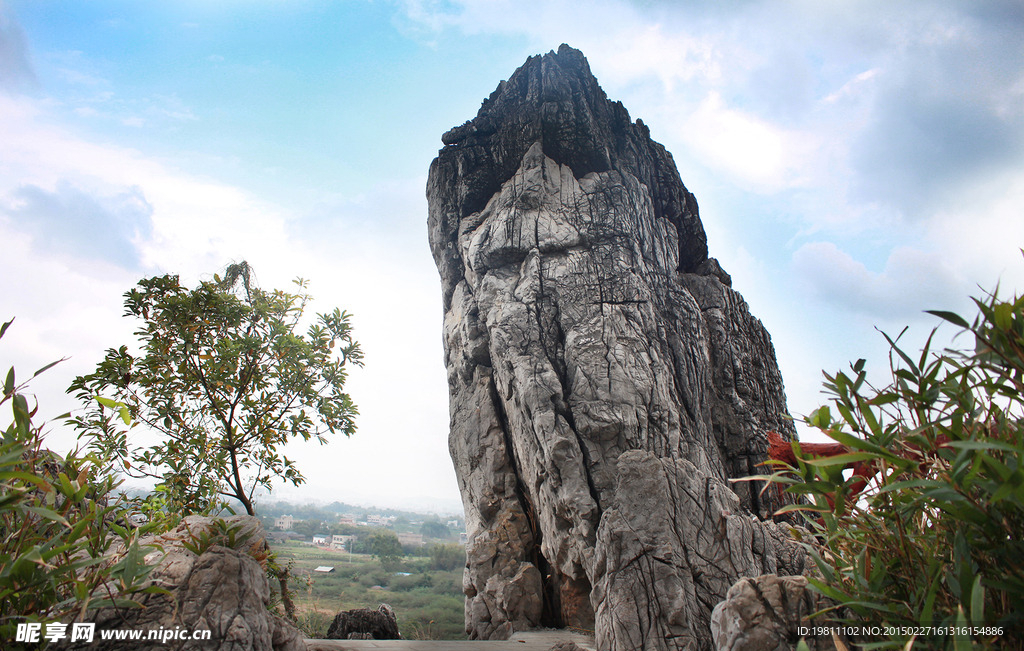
(768, 613)
(365, 624)
(223, 590)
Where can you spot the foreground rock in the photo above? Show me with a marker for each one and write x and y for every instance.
(605, 380)
(365, 624)
(223, 590)
(769, 613)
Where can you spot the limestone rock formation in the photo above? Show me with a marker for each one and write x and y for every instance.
(605, 380)
(769, 613)
(223, 590)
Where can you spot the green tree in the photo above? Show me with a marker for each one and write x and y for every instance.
(929, 529)
(434, 528)
(447, 557)
(385, 547)
(308, 527)
(225, 379)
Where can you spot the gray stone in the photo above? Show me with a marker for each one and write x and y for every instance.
(568, 645)
(768, 613)
(605, 380)
(224, 590)
(670, 549)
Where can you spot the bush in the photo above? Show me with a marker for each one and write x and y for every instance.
(314, 622)
(447, 557)
(447, 583)
(59, 520)
(379, 578)
(929, 529)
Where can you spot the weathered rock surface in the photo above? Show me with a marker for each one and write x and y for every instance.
(566, 646)
(224, 590)
(365, 624)
(605, 380)
(768, 613)
(674, 543)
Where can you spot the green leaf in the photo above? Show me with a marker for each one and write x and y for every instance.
(49, 514)
(961, 639)
(1005, 490)
(792, 508)
(33, 555)
(107, 402)
(906, 358)
(952, 317)
(47, 367)
(978, 603)
(1003, 316)
(841, 459)
(987, 444)
(114, 603)
(857, 443)
(9, 383)
(26, 476)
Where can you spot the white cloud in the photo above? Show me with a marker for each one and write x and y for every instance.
(753, 152)
(69, 220)
(980, 233)
(651, 49)
(68, 299)
(853, 88)
(912, 281)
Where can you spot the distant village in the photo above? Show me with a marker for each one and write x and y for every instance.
(344, 532)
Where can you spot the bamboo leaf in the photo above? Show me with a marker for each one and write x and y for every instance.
(978, 602)
(49, 514)
(952, 317)
(841, 459)
(47, 367)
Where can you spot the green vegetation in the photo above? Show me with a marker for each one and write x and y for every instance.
(225, 380)
(447, 557)
(936, 536)
(429, 602)
(434, 528)
(59, 516)
(384, 547)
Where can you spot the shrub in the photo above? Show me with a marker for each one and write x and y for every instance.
(314, 622)
(929, 530)
(447, 556)
(59, 522)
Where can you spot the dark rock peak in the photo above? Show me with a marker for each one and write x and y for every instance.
(555, 100)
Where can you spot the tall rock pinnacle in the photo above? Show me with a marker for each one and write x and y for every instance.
(605, 380)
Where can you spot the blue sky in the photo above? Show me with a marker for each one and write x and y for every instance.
(855, 164)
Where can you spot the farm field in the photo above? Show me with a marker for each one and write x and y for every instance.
(428, 603)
